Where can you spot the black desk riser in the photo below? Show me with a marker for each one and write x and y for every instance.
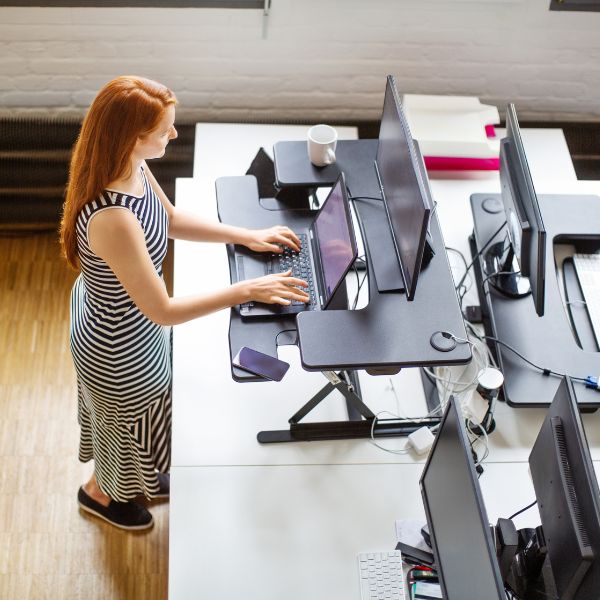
(386, 335)
(548, 341)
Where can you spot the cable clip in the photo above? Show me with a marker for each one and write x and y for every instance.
(592, 382)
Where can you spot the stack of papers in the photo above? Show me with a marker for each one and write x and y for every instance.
(454, 132)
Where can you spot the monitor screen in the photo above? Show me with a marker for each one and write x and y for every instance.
(461, 536)
(335, 239)
(568, 497)
(404, 189)
(523, 217)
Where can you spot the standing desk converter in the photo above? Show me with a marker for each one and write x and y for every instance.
(386, 335)
(548, 341)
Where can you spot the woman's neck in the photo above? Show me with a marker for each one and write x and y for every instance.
(130, 185)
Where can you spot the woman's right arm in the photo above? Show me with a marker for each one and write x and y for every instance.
(116, 236)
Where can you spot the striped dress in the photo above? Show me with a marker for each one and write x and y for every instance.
(122, 360)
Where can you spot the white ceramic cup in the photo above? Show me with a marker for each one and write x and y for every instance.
(322, 140)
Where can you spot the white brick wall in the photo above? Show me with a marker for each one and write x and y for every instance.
(322, 59)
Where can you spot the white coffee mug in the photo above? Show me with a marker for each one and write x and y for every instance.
(322, 140)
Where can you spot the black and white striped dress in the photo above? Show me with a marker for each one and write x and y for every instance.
(122, 360)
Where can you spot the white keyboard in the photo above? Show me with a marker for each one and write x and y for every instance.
(381, 576)
(587, 267)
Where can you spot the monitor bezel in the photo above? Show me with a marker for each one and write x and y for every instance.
(410, 278)
(564, 406)
(452, 406)
(341, 180)
(516, 181)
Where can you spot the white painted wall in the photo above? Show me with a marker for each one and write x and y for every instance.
(322, 59)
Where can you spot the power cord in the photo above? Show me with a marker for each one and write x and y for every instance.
(495, 274)
(460, 387)
(463, 289)
(522, 510)
(544, 370)
(390, 450)
(359, 283)
(478, 254)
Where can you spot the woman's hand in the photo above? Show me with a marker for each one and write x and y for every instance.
(278, 288)
(271, 239)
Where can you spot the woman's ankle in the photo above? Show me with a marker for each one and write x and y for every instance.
(92, 489)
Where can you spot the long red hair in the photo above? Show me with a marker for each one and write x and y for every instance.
(124, 110)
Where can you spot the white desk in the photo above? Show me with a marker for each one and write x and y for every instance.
(293, 532)
(216, 419)
(284, 511)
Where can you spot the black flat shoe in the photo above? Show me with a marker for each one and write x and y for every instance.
(164, 485)
(126, 515)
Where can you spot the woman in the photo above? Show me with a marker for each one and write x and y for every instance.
(115, 226)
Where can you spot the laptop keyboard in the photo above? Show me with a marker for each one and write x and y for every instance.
(381, 576)
(299, 263)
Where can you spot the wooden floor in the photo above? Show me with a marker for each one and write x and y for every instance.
(48, 548)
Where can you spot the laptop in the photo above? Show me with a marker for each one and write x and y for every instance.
(328, 251)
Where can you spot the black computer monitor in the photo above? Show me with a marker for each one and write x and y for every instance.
(568, 498)
(526, 232)
(404, 188)
(462, 541)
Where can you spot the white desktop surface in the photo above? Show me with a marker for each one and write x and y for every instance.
(215, 419)
(293, 532)
(287, 517)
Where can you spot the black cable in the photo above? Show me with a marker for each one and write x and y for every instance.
(488, 277)
(357, 279)
(479, 252)
(522, 510)
(358, 290)
(364, 198)
(351, 197)
(462, 256)
(359, 282)
(461, 292)
(543, 370)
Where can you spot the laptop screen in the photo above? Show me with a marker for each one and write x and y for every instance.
(335, 239)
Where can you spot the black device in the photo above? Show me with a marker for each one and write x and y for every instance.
(260, 363)
(520, 264)
(463, 547)
(416, 555)
(404, 188)
(328, 253)
(568, 499)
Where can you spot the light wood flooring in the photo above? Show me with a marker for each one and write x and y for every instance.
(48, 548)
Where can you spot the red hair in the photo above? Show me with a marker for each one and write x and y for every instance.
(124, 110)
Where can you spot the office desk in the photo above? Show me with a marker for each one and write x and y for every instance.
(219, 470)
(216, 419)
(293, 532)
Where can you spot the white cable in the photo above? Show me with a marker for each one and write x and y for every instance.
(403, 413)
(390, 450)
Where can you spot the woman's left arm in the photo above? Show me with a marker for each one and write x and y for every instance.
(188, 226)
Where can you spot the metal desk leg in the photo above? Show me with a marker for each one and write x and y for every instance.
(360, 422)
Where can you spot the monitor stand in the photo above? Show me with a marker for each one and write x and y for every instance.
(503, 272)
(523, 561)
